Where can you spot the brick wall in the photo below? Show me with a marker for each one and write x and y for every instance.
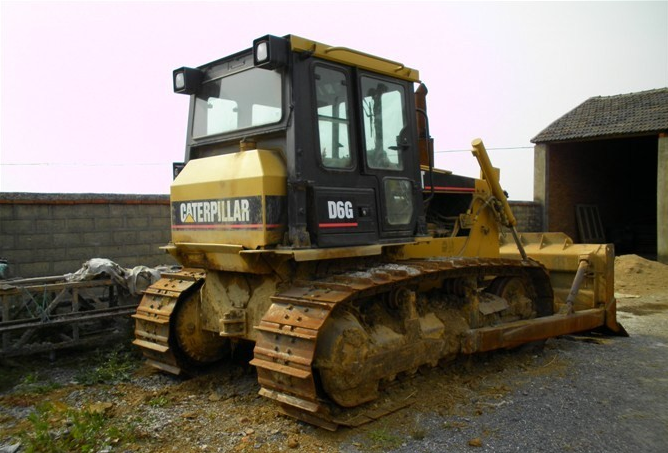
(53, 234)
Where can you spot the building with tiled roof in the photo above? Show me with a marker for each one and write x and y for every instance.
(645, 112)
(601, 172)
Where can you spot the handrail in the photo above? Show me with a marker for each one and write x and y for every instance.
(399, 65)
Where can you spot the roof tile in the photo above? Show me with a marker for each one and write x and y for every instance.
(604, 116)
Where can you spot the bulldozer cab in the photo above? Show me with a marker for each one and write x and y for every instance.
(363, 156)
(343, 122)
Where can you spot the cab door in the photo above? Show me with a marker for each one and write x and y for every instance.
(389, 151)
(343, 200)
(362, 172)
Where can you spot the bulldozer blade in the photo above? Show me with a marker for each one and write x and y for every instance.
(611, 326)
(563, 258)
(513, 334)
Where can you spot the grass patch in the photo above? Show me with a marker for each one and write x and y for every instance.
(31, 384)
(58, 428)
(383, 439)
(111, 367)
(159, 401)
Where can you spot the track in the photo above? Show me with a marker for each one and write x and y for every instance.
(154, 333)
(326, 344)
(285, 354)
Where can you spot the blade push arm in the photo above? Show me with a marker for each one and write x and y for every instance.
(506, 215)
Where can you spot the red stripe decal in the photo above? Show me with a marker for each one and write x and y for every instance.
(338, 225)
(452, 189)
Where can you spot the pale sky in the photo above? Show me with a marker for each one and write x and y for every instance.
(86, 91)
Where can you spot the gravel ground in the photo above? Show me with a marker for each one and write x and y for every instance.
(572, 394)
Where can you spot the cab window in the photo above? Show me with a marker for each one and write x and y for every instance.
(243, 100)
(384, 117)
(331, 93)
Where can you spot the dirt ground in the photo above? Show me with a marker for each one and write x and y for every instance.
(576, 393)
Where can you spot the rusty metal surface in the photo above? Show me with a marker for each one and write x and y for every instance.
(285, 350)
(153, 332)
(611, 323)
(291, 330)
(50, 313)
(516, 333)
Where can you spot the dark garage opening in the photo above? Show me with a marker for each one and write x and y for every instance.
(616, 176)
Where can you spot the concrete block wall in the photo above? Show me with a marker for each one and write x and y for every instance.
(529, 215)
(54, 234)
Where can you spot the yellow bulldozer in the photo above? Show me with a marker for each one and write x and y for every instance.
(310, 221)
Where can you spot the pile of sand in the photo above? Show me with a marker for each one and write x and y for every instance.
(635, 275)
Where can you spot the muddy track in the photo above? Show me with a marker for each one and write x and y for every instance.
(286, 350)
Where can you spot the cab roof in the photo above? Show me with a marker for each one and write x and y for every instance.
(353, 57)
